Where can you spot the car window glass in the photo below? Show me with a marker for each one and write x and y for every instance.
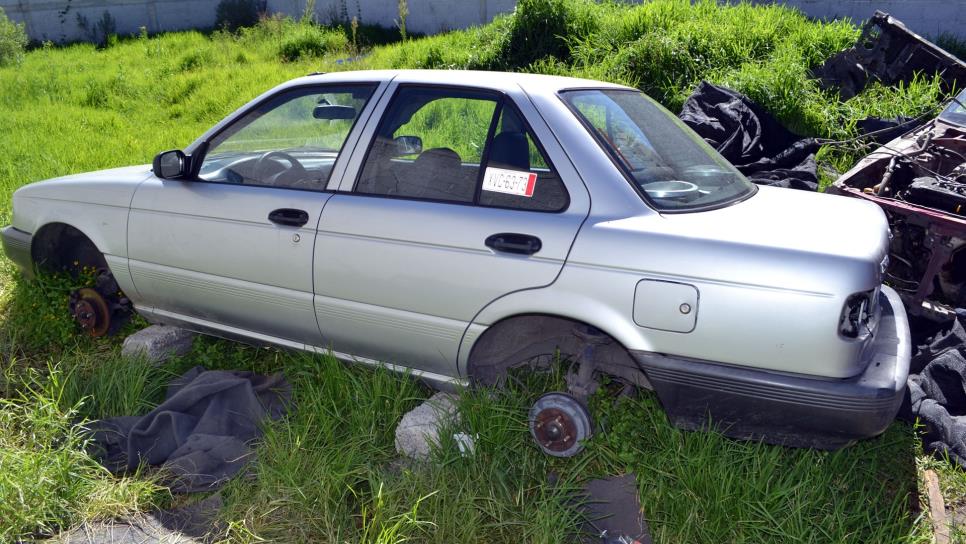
(667, 161)
(290, 141)
(518, 175)
(429, 145)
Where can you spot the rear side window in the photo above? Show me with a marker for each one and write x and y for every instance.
(292, 140)
(518, 174)
(429, 145)
(462, 146)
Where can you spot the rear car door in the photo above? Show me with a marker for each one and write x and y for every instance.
(231, 248)
(456, 203)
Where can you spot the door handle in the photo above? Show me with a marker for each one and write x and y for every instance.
(512, 242)
(289, 217)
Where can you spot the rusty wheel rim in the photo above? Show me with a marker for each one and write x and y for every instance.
(559, 423)
(91, 312)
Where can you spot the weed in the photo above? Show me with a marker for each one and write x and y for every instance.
(952, 44)
(310, 41)
(403, 10)
(47, 479)
(308, 14)
(13, 40)
(354, 26)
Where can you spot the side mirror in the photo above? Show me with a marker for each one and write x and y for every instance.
(333, 112)
(408, 145)
(170, 164)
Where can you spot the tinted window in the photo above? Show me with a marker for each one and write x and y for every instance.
(518, 174)
(667, 161)
(292, 140)
(429, 145)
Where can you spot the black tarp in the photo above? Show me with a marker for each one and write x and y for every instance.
(751, 139)
(937, 391)
(199, 436)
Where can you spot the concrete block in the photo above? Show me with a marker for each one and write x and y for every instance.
(158, 342)
(419, 428)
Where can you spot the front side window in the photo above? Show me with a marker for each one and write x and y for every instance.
(291, 140)
(667, 161)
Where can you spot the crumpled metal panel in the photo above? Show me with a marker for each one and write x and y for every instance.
(891, 53)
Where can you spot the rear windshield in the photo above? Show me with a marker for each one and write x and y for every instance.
(673, 168)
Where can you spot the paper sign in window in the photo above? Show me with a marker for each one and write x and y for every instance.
(511, 182)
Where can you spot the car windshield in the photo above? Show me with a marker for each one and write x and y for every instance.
(671, 165)
(955, 112)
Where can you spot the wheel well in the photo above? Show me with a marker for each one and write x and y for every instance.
(60, 247)
(515, 340)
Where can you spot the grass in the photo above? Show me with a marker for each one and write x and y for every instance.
(327, 472)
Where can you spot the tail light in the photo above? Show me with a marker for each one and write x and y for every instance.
(857, 314)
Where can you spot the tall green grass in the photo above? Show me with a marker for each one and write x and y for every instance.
(48, 481)
(327, 472)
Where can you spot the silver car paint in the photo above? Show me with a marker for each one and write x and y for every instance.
(411, 275)
(772, 272)
(95, 203)
(209, 250)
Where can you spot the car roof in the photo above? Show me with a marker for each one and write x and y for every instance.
(500, 81)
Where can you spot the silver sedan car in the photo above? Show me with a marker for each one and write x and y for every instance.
(459, 224)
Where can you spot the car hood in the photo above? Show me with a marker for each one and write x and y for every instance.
(114, 187)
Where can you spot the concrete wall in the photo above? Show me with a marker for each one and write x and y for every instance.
(57, 20)
(927, 18)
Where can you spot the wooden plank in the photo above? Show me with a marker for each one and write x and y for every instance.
(937, 509)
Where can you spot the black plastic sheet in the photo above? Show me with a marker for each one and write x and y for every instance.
(937, 391)
(751, 139)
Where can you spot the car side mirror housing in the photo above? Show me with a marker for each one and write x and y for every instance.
(171, 164)
(408, 145)
(334, 112)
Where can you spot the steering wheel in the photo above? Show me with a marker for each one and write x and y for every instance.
(261, 165)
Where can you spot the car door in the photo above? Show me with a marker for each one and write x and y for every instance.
(231, 247)
(454, 205)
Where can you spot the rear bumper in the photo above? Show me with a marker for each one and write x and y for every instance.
(16, 244)
(794, 410)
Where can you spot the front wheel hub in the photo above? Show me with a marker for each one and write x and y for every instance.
(91, 311)
(559, 424)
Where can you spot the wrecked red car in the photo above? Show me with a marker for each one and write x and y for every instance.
(919, 179)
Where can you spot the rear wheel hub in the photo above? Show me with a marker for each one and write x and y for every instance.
(559, 423)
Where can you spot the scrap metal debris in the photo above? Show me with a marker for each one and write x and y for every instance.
(889, 52)
(751, 139)
(613, 512)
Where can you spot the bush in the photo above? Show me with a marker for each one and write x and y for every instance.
(234, 14)
(308, 41)
(544, 28)
(13, 40)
